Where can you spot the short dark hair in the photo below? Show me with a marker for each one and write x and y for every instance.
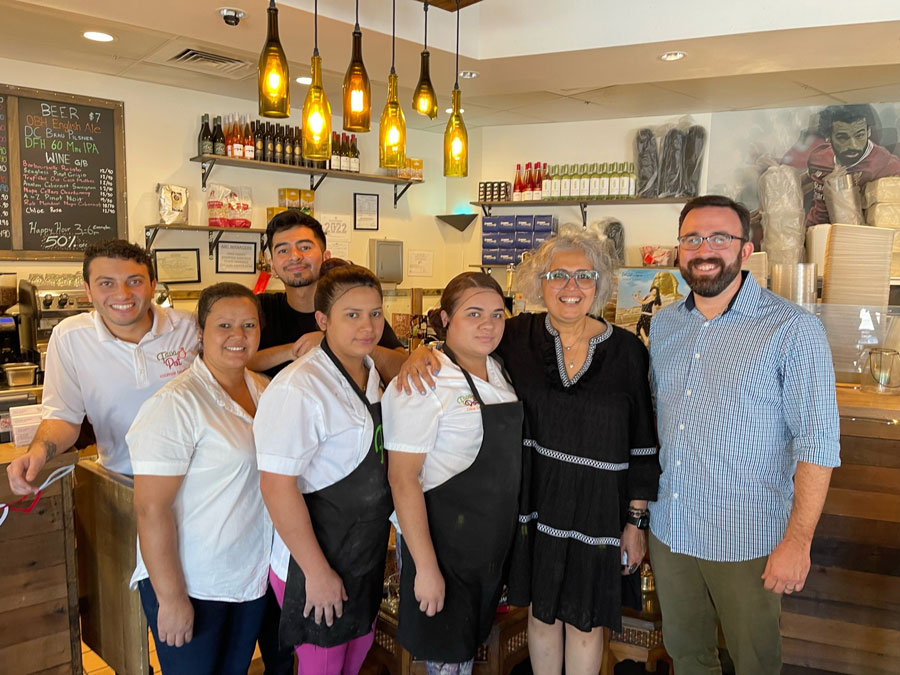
(722, 201)
(120, 250)
(452, 295)
(338, 281)
(845, 113)
(226, 289)
(292, 218)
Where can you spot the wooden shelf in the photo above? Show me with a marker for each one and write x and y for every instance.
(215, 233)
(316, 176)
(582, 204)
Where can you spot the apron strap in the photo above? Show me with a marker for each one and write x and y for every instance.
(340, 367)
(465, 373)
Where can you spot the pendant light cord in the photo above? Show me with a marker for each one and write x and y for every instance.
(456, 84)
(357, 16)
(425, 45)
(393, 32)
(316, 27)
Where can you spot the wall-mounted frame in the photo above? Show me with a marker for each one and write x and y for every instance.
(365, 211)
(62, 173)
(236, 257)
(177, 265)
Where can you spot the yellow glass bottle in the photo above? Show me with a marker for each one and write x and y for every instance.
(392, 130)
(456, 142)
(316, 117)
(273, 79)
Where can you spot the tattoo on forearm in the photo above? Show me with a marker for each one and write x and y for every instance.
(49, 450)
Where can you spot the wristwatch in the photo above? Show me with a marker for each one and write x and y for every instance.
(640, 521)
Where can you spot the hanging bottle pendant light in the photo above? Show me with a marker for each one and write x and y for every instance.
(316, 108)
(424, 98)
(357, 99)
(456, 138)
(273, 80)
(392, 129)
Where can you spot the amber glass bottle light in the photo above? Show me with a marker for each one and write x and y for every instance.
(272, 74)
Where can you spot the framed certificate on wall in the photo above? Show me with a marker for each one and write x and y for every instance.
(177, 265)
(236, 257)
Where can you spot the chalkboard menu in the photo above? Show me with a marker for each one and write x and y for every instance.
(65, 177)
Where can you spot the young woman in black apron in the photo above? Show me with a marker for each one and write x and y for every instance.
(324, 481)
(455, 464)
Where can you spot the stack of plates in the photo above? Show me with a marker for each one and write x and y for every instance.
(857, 265)
(758, 264)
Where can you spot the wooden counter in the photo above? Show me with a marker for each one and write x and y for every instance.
(39, 630)
(847, 619)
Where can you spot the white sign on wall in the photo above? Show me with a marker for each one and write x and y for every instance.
(337, 232)
(420, 264)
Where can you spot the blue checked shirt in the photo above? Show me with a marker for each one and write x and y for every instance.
(740, 399)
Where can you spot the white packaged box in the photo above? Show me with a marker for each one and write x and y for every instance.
(885, 190)
(883, 214)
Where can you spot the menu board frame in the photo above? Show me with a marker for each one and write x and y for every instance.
(117, 110)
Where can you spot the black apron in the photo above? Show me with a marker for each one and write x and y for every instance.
(472, 518)
(350, 519)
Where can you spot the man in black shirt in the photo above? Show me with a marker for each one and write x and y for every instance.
(297, 247)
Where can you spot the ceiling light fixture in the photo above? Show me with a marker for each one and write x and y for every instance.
(97, 36)
(357, 100)
(316, 108)
(456, 138)
(303, 80)
(672, 56)
(424, 97)
(392, 129)
(273, 79)
(468, 74)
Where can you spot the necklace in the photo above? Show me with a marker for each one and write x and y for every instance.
(568, 348)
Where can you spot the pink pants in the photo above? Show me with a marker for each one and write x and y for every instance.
(345, 659)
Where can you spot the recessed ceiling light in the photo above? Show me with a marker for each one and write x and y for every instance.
(450, 110)
(468, 74)
(304, 80)
(97, 36)
(672, 56)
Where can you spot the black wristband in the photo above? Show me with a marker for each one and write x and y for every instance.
(641, 522)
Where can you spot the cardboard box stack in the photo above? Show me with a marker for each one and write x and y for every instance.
(883, 210)
(504, 239)
(293, 198)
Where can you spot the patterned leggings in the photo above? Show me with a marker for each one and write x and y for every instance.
(438, 668)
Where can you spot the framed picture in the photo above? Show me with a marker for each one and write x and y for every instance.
(177, 265)
(236, 257)
(365, 211)
(642, 291)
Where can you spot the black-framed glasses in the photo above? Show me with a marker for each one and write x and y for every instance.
(717, 241)
(584, 279)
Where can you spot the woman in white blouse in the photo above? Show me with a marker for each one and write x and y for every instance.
(203, 532)
(320, 451)
(455, 465)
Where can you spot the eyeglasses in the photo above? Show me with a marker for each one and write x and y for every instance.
(584, 279)
(717, 241)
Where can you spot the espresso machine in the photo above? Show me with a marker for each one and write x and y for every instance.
(10, 349)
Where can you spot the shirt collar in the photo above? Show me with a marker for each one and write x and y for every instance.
(201, 372)
(745, 301)
(162, 323)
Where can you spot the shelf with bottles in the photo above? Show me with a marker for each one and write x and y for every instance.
(264, 146)
(215, 233)
(583, 204)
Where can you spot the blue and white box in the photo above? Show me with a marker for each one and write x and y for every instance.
(506, 240)
(490, 224)
(490, 240)
(490, 256)
(520, 252)
(506, 223)
(539, 238)
(507, 257)
(524, 239)
(524, 223)
(543, 223)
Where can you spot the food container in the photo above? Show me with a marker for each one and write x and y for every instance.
(19, 374)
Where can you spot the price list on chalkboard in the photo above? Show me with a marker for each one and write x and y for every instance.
(5, 229)
(68, 175)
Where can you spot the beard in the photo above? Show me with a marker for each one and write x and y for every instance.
(295, 282)
(706, 286)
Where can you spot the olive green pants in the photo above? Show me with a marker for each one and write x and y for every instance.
(694, 594)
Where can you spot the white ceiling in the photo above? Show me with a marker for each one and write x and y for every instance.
(739, 58)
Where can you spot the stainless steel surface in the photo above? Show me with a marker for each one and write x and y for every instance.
(20, 374)
(880, 371)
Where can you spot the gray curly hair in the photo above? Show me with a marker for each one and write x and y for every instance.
(530, 272)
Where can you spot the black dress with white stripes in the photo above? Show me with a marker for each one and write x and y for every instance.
(590, 447)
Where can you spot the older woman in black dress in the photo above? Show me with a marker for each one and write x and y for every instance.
(590, 462)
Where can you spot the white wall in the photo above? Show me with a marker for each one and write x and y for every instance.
(597, 141)
(161, 125)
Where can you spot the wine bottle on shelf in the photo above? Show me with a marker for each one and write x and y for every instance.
(615, 191)
(218, 138)
(354, 154)
(335, 152)
(623, 180)
(298, 148)
(288, 145)
(604, 182)
(345, 152)
(575, 183)
(249, 140)
(554, 183)
(527, 183)
(565, 182)
(594, 189)
(545, 181)
(237, 139)
(226, 130)
(584, 187)
(537, 184)
(279, 144)
(517, 184)
(205, 139)
(632, 181)
(258, 142)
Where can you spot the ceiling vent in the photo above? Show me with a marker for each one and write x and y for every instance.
(180, 55)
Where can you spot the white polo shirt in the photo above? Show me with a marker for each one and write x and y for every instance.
(445, 424)
(311, 424)
(192, 428)
(92, 373)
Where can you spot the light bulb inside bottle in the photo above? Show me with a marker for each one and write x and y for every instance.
(356, 100)
(393, 136)
(456, 147)
(424, 105)
(316, 122)
(273, 82)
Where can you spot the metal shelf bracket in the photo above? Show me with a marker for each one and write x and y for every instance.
(583, 207)
(150, 237)
(486, 210)
(214, 238)
(313, 183)
(398, 197)
(206, 167)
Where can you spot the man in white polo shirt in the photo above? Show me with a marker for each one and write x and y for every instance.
(105, 364)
